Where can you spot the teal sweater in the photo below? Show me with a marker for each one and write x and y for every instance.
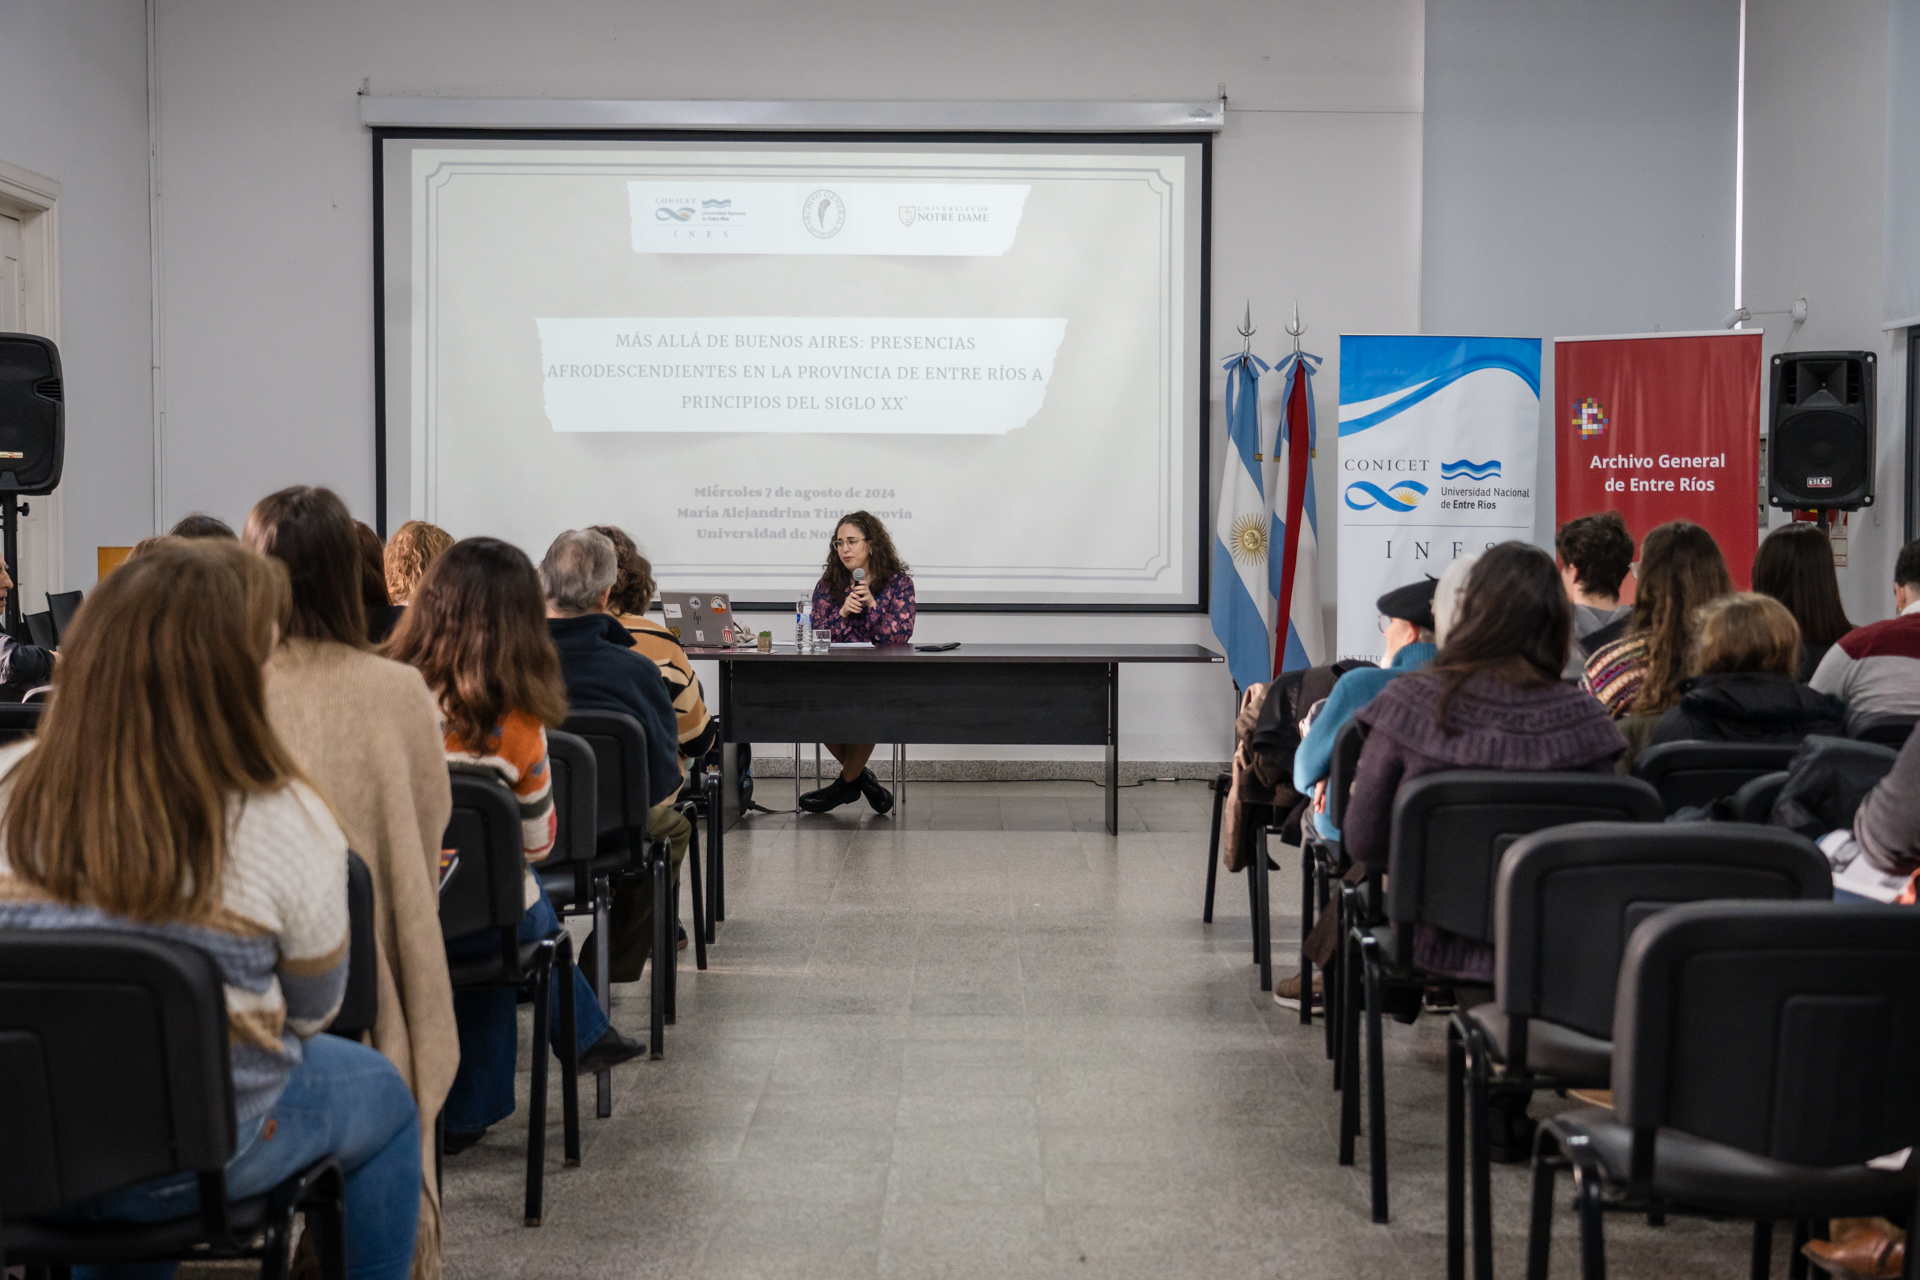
(1352, 692)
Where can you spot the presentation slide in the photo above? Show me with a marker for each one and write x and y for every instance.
(723, 346)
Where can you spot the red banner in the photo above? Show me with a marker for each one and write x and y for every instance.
(1662, 428)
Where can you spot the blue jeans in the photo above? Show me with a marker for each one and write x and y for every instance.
(482, 1092)
(343, 1100)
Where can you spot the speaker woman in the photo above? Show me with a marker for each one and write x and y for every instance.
(864, 595)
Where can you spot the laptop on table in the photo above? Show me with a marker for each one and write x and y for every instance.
(697, 618)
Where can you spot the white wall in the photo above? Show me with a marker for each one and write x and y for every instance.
(73, 107)
(267, 249)
(1579, 173)
(1816, 151)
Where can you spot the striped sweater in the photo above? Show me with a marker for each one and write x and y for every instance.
(279, 934)
(694, 721)
(1875, 669)
(1615, 673)
(516, 750)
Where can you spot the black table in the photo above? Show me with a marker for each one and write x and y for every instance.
(1025, 694)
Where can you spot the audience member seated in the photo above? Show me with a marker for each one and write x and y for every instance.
(366, 732)
(1875, 669)
(382, 614)
(218, 842)
(1406, 620)
(1493, 699)
(475, 629)
(1594, 553)
(200, 525)
(1637, 677)
(604, 672)
(1795, 566)
(23, 666)
(631, 597)
(1744, 689)
(414, 546)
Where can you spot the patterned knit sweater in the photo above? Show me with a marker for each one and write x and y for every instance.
(1615, 673)
(694, 721)
(516, 750)
(279, 934)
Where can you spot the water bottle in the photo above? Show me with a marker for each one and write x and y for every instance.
(803, 626)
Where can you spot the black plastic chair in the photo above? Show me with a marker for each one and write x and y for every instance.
(360, 1005)
(622, 809)
(1887, 729)
(61, 606)
(1698, 773)
(1565, 903)
(1322, 863)
(1753, 802)
(483, 891)
(19, 720)
(1219, 784)
(1447, 835)
(40, 630)
(1763, 1053)
(82, 1120)
(568, 874)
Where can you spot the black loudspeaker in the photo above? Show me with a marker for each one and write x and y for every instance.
(1820, 451)
(33, 427)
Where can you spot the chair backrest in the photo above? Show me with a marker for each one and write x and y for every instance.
(1568, 899)
(113, 1065)
(620, 754)
(1344, 763)
(1449, 831)
(360, 1006)
(19, 720)
(1698, 773)
(1753, 802)
(575, 775)
(1787, 1029)
(62, 605)
(483, 885)
(1888, 729)
(40, 629)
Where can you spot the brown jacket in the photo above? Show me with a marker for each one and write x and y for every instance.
(367, 733)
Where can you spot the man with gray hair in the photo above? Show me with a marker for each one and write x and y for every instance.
(604, 673)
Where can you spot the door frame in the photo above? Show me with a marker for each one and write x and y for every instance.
(34, 199)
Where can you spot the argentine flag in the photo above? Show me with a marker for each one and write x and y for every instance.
(1241, 603)
(1294, 569)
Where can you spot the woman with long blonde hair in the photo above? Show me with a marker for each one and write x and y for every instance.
(158, 799)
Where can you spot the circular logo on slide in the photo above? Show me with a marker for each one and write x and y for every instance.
(824, 214)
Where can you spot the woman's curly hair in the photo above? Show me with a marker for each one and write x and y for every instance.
(883, 562)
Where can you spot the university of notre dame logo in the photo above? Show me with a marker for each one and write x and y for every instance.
(907, 214)
(824, 214)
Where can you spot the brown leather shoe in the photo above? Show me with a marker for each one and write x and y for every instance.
(1872, 1254)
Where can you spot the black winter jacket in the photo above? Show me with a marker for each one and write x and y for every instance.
(1748, 706)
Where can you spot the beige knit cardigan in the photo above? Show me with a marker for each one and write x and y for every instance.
(367, 733)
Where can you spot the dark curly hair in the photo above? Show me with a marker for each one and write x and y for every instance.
(633, 586)
(883, 562)
(1599, 549)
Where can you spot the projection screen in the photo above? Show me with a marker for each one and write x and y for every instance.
(722, 343)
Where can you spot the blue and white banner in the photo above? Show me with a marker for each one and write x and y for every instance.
(1439, 445)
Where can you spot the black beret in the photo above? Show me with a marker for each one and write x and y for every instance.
(1411, 603)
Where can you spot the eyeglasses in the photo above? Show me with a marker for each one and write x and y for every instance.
(1382, 622)
(841, 544)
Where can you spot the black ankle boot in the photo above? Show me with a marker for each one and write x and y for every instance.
(878, 796)
(831, 796)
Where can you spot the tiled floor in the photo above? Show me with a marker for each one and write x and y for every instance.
(989, 1040)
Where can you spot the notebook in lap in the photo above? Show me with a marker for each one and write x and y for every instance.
(697, 618)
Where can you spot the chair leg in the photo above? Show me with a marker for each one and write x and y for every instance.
(1376, 1088)
(1263, 915)
(1762, 1266)
(537, 1093)
(1456, 1155)
(1213, 844)
(673, 942)
(1586, 1190)
(696, 896)
(716, 856)
(1334, 983)
(662, 946)
(1540, 1221)
(1480, 1160)
(1306, 925)
(603, 963)
(1349, 1053)
(569, 1052)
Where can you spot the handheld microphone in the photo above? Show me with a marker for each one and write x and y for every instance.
(859, 575)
